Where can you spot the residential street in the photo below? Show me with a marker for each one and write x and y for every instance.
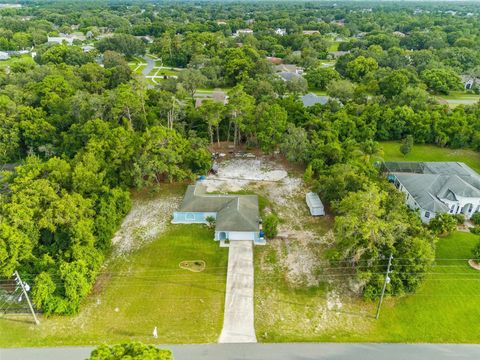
(301, 351)
(238, 324)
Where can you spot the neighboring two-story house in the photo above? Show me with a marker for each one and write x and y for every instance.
(436, 187)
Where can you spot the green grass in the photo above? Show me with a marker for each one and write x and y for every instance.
(162, 72)
(460, 95)
(391, 152)
(318, 92)
(149, 289)
(445, 307)
(333, 46)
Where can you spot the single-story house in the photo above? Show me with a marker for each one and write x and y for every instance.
(436, 187)
(236, 216)
(311, 99)
(314, 204)
(281, 32)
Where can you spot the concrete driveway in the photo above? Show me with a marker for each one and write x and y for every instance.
(238, 324)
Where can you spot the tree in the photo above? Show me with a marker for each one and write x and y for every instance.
(295, 145)
(342, 90)
(441, 80)
(125, 44)
(163, 156)
(212, 112)
(271, 126)
(240, 107)
(63, 54)
(133, 350)
(393, 84)
(297, 85)
(191, 80)
(319, 77)
(369, 226)
(407, 145)
(358, 68)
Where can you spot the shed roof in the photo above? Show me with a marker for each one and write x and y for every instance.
(314, 200)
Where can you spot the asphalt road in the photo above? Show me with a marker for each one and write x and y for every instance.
(299, 351)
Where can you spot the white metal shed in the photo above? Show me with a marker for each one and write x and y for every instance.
(314, 204)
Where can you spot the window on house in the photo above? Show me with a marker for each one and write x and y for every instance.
(427, 214)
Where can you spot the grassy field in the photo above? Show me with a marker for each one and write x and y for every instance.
(140, 291)
(445, 308)
(460, 95)
(391, 152)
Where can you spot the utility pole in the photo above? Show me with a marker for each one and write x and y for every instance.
(20, 282)
(387, 280)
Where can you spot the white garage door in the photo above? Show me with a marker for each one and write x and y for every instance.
(241, 235)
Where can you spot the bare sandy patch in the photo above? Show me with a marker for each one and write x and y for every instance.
(147, 219)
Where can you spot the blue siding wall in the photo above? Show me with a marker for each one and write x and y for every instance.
(191, 217)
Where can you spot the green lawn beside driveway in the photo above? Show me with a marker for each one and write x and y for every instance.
(445, 307)
(137, 292)
(391, 152)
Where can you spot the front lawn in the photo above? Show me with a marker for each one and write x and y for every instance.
(391, 152)
(139, 291)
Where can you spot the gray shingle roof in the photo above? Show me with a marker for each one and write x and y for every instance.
(311, 99)
(429, 182)
(234, 212)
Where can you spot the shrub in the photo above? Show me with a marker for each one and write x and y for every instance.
(270, 223)
(475, 230)
(443, 224)
(210, 221)
(133, 350)
(476, 252)
(476, 218)
(460, 218)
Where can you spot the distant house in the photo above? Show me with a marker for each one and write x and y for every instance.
(289, 68)
(470, 82)
(436, 187)
(243, 32)
(221, 22)
(310, 32)
(65, 38)
(4, 55)
(337, 54)
(217, 96)
(399, 34)
(274, 60)
(288, 71)
(314, 204)
(236, 216)
(311, 99)
(88, 48)
(281, 32)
